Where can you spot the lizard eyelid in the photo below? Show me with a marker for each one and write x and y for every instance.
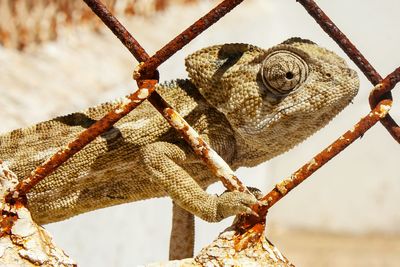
(283, 71)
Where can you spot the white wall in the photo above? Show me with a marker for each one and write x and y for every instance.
(358, 191)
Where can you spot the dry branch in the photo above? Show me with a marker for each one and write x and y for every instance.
(22, 241)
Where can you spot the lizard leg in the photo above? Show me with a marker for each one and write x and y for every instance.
(166, 162)
(181, 243)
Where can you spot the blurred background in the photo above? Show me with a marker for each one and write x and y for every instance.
(56, 58)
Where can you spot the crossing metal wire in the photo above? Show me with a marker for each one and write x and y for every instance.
(146, 75)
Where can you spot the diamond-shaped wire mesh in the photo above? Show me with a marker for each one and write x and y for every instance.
(380, 97)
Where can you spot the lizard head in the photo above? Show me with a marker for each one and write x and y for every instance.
(275, 97)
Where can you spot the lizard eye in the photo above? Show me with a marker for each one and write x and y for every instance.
(283, 71)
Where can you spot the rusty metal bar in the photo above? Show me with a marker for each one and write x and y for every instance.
(188, 35)
(118, 29)
(151, 63)
(250, 228)
(386, 86)
(328, 153)
(280, 190)
(148, 69)
(381, 110)
(84, 138)
(379, 93)
(354, 54)
(288, 184)
(146, 90)
(341, 39)
(216, 164)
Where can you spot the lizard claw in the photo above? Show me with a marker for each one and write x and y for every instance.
(234, 203)
(252, 212)
(256, 192)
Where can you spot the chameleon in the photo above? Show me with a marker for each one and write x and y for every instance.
(250, 104)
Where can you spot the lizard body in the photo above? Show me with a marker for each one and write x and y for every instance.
(249, 104)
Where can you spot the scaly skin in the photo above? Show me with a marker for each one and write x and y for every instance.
(250, 104)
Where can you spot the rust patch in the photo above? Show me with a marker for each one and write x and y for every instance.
(252, 235)
(355, 55)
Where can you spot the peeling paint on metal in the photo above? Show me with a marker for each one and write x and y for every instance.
(312, 163)
(216, 164)
(143, 93)
(383, 110)
(41, 155)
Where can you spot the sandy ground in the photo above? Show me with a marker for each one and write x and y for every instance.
(314, 249)
(357, 193)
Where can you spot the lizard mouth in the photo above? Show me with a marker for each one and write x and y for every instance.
(258, 126)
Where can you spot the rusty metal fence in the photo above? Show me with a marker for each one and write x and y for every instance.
(146, 75)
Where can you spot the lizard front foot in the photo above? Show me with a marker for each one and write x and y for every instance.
(230, 204)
